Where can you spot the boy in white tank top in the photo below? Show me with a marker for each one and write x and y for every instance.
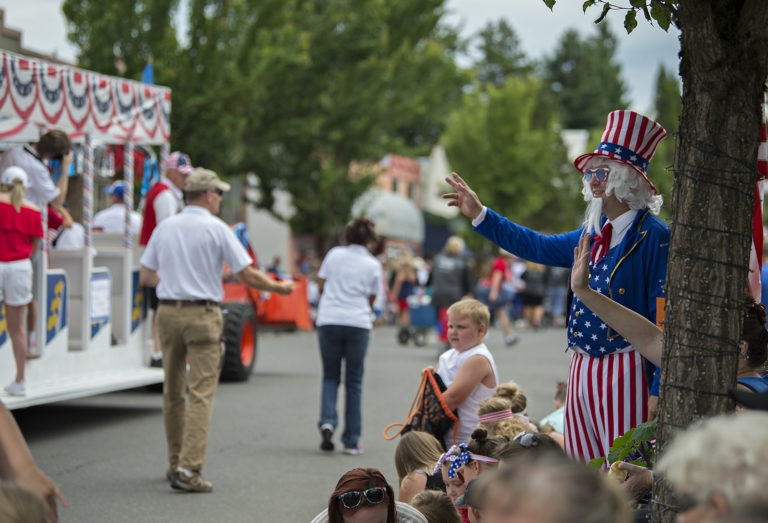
(467, 369)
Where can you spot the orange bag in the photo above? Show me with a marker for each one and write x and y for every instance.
(431, 414)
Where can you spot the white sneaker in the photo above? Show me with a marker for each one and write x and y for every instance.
(16, 388)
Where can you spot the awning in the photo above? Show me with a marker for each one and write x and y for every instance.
(394, 215)
(35, 94)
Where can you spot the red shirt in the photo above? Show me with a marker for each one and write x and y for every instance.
(500, 264)
(149, 222)
(17, 230)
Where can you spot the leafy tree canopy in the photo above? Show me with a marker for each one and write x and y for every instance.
(585, 78)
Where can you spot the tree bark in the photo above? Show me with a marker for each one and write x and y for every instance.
(724, 59)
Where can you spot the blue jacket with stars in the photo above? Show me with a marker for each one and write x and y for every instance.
(633, 273)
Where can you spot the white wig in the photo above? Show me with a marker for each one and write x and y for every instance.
(628, 187)
(725, 455)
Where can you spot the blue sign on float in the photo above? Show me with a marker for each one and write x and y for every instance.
(56, 306)
(3, 328)
(138, 307)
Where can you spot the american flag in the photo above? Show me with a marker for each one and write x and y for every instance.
(756, 255)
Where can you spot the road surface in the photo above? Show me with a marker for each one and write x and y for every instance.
(107, 453)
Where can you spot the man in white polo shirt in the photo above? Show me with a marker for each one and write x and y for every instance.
(112, 219)
(184, 260)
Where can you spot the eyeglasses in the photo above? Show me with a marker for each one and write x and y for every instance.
(217, 191)
(600, 173)
(526, 439)
(373, 496)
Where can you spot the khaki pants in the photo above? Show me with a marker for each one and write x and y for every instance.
(189, 334)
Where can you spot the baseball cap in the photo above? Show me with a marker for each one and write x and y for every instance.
(14, 173)
(751, 400)
(116, 189)
(179, 161)
(468, 499)
(203, 180)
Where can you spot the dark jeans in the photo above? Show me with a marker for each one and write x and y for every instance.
(337, 343)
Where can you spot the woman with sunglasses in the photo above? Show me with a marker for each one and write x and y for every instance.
(363, 495)
(628, 264)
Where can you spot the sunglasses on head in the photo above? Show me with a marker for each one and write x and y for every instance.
(601, 174)
(526, 439)
(373, 496)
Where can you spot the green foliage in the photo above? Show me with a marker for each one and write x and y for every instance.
(635, 444)
(585, 78)
(668, 105)
(512, 158)
(129, 31)
(292, 90)
(662, 11)
(501, 54)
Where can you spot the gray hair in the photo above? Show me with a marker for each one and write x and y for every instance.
(724, 455)
(569, 490)
(628, 187)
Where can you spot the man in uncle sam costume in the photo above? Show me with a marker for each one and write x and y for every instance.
(607, 381)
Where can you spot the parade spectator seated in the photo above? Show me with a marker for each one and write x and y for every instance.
(436, 507)
(468, 369)
(415, 458)
(363, 495)
(112, 219)
(524, 443)
(555, 418)
(753, 349)
(462, 463)
(469, 502)
(496, 416)
(549, 487)
(718, 469)
(512, 392)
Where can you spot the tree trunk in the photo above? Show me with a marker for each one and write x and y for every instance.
(724, 58)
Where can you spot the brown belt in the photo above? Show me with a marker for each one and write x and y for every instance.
(189, 303)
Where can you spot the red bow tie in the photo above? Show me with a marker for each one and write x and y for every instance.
(602, 243)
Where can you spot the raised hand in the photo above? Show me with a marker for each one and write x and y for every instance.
(580, 272)
(464, 198)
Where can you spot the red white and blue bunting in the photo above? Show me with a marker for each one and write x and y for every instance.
(35, 95)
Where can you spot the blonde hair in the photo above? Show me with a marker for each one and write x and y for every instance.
(505, 428)
(454, 245)
(477, 313)
(17, 193)
(436, 506)
(511, 392)
(19, 505)
(416, 451)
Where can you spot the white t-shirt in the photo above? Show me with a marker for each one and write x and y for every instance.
(112, 219)
(448, 366)
(41, 187)
(188, 250)
(351, 275)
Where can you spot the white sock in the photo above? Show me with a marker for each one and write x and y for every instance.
(185, 471)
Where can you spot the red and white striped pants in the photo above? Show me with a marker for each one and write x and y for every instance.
(606, 397)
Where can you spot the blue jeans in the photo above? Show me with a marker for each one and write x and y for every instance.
(339, 342)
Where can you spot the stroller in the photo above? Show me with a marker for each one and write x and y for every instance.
(423, 320)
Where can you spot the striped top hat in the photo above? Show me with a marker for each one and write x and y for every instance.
(630, 138)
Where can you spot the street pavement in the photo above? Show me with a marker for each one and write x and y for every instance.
(107, 453)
